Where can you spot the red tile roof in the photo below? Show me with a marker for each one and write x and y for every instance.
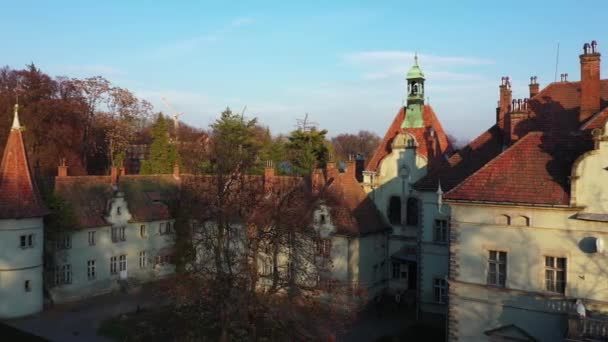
(89, 195)
(431, 148)
(536, 168)
(19, 195)
(352, 211)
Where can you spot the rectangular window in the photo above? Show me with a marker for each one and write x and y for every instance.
(91, 269)
(118, 234)
(123, 263)
(26, 241)
(497, 268)
(169, 227)
(396, 266)
(440, 290)
(143, 259)
(143, 231)
(324, 247)
(63, 274)
(118, 211)
(161, 229)
(555, 274)
(64, 241)
(92, 238)
(113, 265)
(440, 231)
(27, 286)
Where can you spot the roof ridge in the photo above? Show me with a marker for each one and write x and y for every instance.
(494, 160)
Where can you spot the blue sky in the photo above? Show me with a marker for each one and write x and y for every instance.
(343, 62)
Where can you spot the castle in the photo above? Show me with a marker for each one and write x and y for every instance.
(500, 237)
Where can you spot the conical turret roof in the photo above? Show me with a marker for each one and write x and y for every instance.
(19, 195)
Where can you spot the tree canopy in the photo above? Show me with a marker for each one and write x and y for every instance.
(163, 153)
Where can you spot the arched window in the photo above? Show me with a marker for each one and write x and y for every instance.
(394, 210)
(412, 212)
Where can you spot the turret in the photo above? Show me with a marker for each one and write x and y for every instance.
(415, 97)
(21, 230)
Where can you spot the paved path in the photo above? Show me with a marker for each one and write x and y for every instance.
(79, 321)
(370, 326)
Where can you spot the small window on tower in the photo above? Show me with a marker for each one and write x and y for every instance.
(118, 210)
(322, 219)
(27, 286)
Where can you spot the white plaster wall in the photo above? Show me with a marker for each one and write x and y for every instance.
(18, 265)
(103, 250)
(552, 232)
(591, 180)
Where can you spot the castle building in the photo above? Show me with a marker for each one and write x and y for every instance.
(414, 145)
(117, 231)
(528, 205)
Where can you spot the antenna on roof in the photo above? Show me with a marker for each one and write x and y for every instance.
(556, 63)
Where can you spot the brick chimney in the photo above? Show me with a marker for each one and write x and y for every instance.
(534, 87)
(590, 81)
(504, 103)
(123, 171)
(268, 176)
(515, 121)
(114, 176)
(62, 169)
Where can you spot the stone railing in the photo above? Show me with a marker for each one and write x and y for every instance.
(579, 328)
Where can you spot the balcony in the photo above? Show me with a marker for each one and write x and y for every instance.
(594, 328)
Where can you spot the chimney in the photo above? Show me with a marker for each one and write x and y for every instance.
(122, 171)
(351, 166)
(268, 176)
(359, 166)
(62, 169)
(176, 171)
(515, 125)
(504, 103)
(590, 81)
(114, 176)
(534, 86)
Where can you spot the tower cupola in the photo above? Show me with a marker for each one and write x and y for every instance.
(415, 97)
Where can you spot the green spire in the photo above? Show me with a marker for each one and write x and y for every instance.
(415, 97)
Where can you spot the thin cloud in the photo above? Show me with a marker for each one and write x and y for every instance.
(406, 57)
(188, 45)
(92, 69)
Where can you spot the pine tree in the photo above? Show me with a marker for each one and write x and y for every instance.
(163, 154)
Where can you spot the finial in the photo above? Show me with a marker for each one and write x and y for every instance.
(16, 124)
(416, 58)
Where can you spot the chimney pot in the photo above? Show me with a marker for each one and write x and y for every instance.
(590, 82)
(62, 169)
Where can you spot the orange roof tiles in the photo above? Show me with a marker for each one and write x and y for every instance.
(433, 148)
(19, 196)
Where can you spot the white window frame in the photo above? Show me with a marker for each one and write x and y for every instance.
(27, 241)
(63, 274)
(143, 259)
(143, 231)
(440, 290)
(118, 234)
(493, 276)
(91, 270)
(92, 240)
(122, 263)
(64, 241)
(440, 231)
(114, 265)
(551, 282)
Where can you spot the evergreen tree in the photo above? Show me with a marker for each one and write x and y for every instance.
(307, 149)
(163, 154)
